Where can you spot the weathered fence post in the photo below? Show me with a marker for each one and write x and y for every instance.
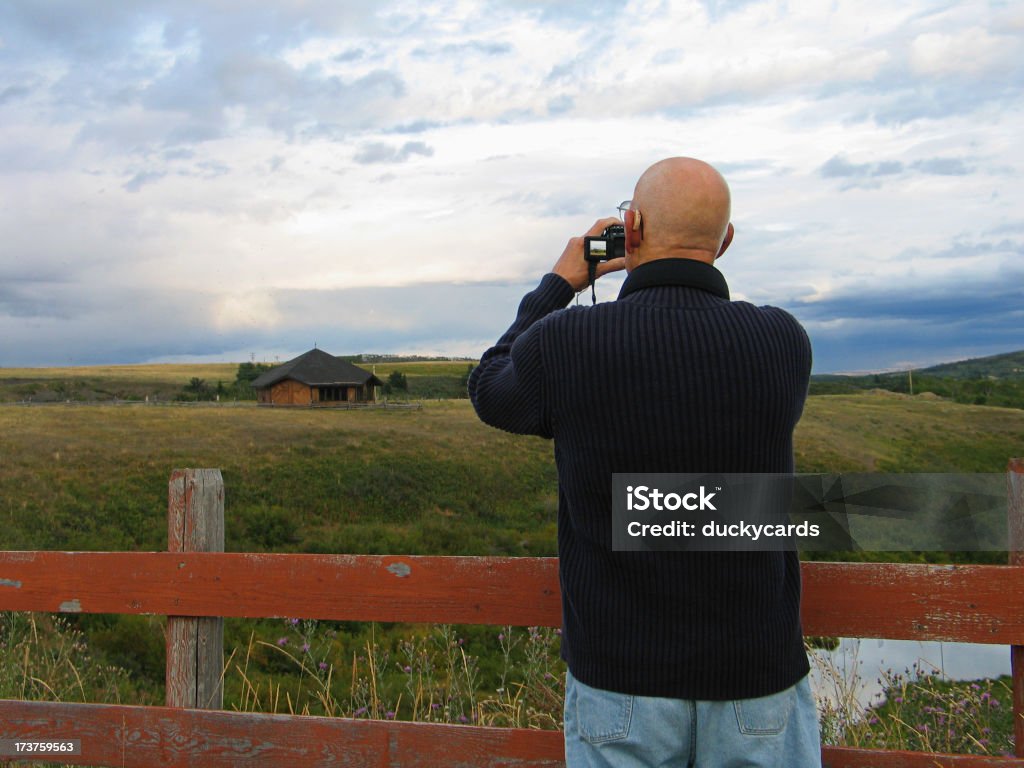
(1015, 499)
(195, 645)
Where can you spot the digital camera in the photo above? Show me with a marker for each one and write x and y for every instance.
(611, 244)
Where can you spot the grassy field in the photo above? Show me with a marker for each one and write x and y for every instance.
(429, 481)
(889, 432)
(94, 477)
(455, 368)
(107, 382)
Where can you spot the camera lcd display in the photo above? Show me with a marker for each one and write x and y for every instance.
(610, 244)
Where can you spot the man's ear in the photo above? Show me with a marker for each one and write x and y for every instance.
(729, 232)
(633, 221)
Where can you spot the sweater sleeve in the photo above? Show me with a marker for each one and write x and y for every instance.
(507, 387)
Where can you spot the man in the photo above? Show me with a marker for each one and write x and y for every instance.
(675, 658)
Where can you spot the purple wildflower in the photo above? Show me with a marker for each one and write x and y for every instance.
(282, 641)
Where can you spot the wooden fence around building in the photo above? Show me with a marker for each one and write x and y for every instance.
(195, 589)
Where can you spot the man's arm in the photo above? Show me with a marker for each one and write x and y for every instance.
(507, 387)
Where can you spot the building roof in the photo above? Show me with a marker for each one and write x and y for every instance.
(317, 368)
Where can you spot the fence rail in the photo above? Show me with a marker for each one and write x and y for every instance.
(961, 603)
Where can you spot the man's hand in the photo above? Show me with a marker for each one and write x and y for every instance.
(573, 267)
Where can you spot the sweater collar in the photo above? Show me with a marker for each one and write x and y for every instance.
(686, 272)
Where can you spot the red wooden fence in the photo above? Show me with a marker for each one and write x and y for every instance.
(971, 603)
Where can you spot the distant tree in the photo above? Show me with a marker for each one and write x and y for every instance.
(249, 371)
(196, 389)
(397, 382)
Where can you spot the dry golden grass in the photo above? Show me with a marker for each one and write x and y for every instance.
(142, 373)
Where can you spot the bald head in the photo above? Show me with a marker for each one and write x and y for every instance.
(685, 208)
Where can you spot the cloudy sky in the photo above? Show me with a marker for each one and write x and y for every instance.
(186, 180)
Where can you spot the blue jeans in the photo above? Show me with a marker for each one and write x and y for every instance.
(604, 729)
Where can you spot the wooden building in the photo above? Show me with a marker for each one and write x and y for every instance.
(316, 378)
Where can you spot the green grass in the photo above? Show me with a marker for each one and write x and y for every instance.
(107, 382)
(450, 368)
(95, 478)
(889, 432)
(432, 481)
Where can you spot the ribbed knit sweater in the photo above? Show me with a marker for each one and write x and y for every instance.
(670, 377)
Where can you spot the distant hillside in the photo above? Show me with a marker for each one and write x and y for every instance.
(1005, 366)
(996, 380)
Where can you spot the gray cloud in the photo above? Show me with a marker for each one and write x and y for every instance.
(352, 54)
(549, 205)
(29, 298)
(468, 48)
(13, 93)
(839, 167)
(142, 178)
(561, 104)
(198, 63)
(1009, 250)
(897, 97)
(942, 166)
(117, 325)
(380, 152)
(417, 126)
(883, 326)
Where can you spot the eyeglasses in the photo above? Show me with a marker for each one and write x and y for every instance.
(624, 206)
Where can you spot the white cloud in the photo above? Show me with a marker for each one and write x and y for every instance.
(965, 52)
(242, 311)
(224, 159)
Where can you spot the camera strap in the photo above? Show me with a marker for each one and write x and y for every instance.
(592, 275)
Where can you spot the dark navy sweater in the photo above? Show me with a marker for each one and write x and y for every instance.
(671, 377)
